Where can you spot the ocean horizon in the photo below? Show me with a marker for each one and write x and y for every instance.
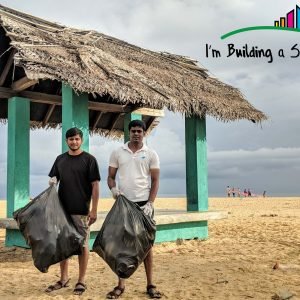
(209, 196)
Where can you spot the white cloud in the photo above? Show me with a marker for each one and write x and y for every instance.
(239, 153)
(275, 170)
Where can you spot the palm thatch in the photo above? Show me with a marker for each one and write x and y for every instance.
(103, 66)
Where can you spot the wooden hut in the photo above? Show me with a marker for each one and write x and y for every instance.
(54, 76)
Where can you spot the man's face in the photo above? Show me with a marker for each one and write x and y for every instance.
(74, 142)
(136, 134)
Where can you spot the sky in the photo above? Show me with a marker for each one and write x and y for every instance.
(240, 154)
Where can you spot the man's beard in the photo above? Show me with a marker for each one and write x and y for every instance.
(73, 148)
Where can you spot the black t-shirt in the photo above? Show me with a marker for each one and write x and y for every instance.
(75, 174)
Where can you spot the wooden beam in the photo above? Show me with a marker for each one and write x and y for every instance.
(48, 114)
(7, 66)
(151, 124)
(149, 112)
(33, 96)
(108, 107)
(41, 97)
(92, 105)
(113, 123)
(57, 100)
(23, 84)
(97, 119)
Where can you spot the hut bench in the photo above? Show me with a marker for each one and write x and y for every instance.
(171, 225)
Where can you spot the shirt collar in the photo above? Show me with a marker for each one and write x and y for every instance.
(125, 147)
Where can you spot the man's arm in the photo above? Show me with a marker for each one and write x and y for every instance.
(95, 198)
(148, 207)
(111, 181)
(54, 174)
(154, 173)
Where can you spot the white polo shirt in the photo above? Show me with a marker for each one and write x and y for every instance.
(134, 171)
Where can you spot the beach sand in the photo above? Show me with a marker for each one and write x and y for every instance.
(236, 262)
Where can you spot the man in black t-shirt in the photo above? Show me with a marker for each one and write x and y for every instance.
(78, 175)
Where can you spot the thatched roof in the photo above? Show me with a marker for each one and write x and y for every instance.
(113, 71)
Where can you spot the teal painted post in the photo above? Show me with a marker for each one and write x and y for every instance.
(129, 117)
(17, 162)
(196, 164)
(75, 113)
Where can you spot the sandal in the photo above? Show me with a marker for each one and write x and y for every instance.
(152, 292)
(57, 286)
(115, 293)
(79, 288)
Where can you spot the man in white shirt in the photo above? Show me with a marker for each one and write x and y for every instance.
(135, 164)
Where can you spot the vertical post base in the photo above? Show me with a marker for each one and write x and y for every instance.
(15, 238)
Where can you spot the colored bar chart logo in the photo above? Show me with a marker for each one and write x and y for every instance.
(290, 22)
(292, 19)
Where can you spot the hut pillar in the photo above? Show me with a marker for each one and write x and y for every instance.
(196, 164)
(17, 162)
(196, 186)
(75, 113)
(129, 117)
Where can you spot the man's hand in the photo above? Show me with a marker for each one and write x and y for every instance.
(148, 208)
(92, 217)
(115, 192)
(53, 181)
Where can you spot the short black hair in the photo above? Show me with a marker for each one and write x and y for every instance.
(137, 123)
(74, 131)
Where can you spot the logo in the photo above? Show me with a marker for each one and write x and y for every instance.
(290, 23)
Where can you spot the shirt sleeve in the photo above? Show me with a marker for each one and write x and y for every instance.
(94, 174)
(154, 162)
(54, 171)
(113, 160)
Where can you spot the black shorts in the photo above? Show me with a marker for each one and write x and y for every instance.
(141, 203)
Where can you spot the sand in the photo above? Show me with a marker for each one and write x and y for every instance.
(236, 262)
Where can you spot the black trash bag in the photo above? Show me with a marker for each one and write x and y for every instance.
(125, 238)
(48, 230)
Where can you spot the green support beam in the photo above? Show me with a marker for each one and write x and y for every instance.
(196, 164)
(17, 162)
(172, 232)
(185, 231)
(75, 113)
(128, 118)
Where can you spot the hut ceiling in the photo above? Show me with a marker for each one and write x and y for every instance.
(37, 56)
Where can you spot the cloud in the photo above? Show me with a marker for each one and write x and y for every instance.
(261, 169)
(260, 156)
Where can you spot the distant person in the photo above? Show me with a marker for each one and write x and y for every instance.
(228, 191)
(78, 175)
(239, 192)
(245, 193)
(264, 194)
(249, 193)
(233, 192)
